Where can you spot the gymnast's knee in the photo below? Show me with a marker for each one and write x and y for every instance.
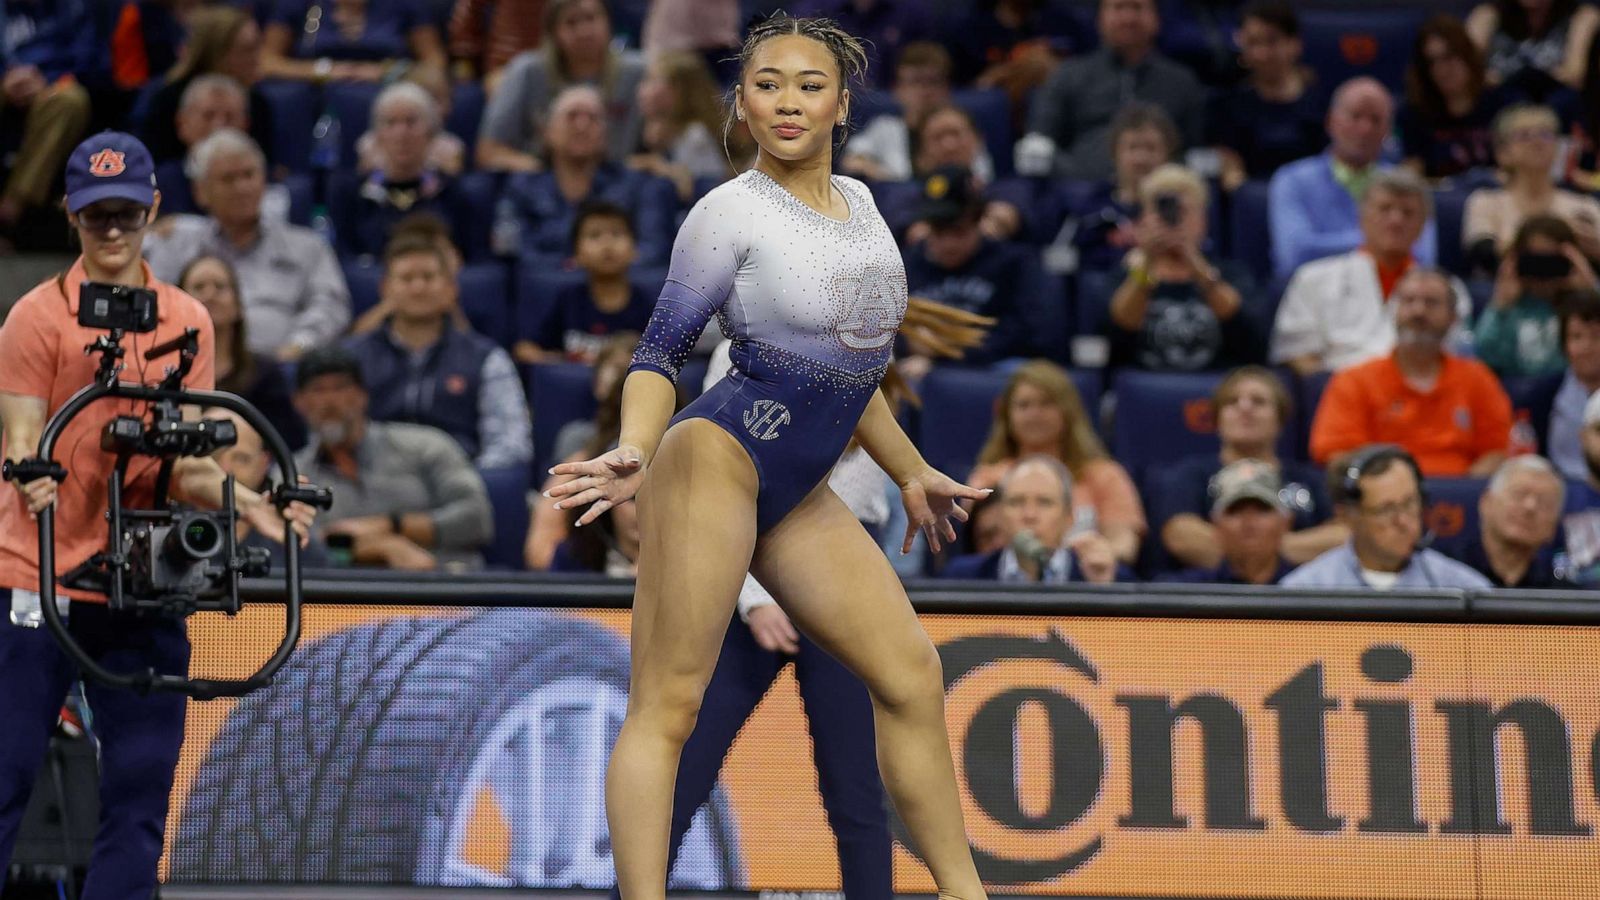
(913, 684)
(672, 708)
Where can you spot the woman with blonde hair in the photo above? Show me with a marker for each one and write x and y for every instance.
(682, 114)
(223, 40)
(1040, 411)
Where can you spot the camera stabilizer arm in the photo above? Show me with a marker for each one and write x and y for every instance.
(167, 561)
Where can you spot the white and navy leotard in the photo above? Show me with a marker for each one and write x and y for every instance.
(812, 305)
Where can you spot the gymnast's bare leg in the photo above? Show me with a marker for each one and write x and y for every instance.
(855, 608)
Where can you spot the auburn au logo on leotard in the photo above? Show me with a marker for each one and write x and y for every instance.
(764, 417)
(876, 305)
(108, 163)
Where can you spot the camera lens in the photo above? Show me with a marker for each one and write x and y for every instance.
(194, 537)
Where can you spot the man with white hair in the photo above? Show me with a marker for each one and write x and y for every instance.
(291, 287)
(1046, 548)
(209, 104)
(1312, 202)
(1518, 514)
(1337, 311)
(412, 171)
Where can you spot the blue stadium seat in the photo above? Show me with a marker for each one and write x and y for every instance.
(558, 393)
(294, 112)
(300, 197)
(1452, 512)
(1248, 228)
(958, 407)
(484, 299)
(1374, 40)
(990, 109)
(1091, 305)
(535, 292)
(1449, 208)
(1531, 399)
(1165, 416)
(351, 102)
(1307, 395)
(508, 497)
(480, 191)
(363, 278)
(466, 113)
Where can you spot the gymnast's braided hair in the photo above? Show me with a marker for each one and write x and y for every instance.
(848, 51)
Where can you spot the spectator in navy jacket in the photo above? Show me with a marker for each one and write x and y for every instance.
(46, 48)
(546, 202)
(421, 368)
(1142, 138)
(1275, 116)
(1250, 518)
(958, 266)
(1037, 498)
(405, 120)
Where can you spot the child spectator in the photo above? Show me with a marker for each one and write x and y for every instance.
(881, 150)
(681, 133)
(1276, 115)
(352, 40)
(581, 318)
(1525, 145)
(1535, 45)
(1518, 334)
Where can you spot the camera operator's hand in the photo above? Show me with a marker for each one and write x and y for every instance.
(38, 494)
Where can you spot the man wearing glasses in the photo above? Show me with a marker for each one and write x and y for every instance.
(111, 196)
(1378, 492)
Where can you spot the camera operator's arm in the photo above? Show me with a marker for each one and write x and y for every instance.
(23, 420)
(198, 480)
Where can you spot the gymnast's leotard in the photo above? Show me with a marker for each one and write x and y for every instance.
(812, 305)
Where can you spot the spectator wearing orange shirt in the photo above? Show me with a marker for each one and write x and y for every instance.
(1447, 411)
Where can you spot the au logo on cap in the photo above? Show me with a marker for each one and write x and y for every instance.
(108, 163)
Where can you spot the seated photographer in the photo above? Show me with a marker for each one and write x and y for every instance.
(1175, 311)
(1250, 520)
(296, 291)
(1378, 491)
(248, 461)
(1518, 334)
(421, 367)
(405, 496)
(110, 199)
(1036, 496)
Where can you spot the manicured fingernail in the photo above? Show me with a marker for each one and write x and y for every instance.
(552, 470)
(547, 493)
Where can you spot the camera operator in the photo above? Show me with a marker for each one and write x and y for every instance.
(111, 198)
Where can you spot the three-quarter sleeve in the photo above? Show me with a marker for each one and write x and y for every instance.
(705, 258)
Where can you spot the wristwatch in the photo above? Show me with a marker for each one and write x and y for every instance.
(396, 523)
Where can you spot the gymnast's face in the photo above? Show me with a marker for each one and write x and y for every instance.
(792, 97)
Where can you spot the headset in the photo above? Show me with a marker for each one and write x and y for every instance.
(1349, 489)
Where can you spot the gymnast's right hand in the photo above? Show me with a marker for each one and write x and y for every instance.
(602, 482)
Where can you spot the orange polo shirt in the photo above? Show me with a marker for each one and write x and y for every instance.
(1466, 414)
(41, 355)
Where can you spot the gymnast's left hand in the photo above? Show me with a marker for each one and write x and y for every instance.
(603, 482)
(930, 498)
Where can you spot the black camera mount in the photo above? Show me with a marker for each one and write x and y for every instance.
(166, 560)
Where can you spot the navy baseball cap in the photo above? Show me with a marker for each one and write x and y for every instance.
(110, 165)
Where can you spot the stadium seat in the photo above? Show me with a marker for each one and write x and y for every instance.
(466, 112)
(484, 299)
(1248, 228)
(1307, 395)
(508, 497)
(294, 112)
(558, 393)
(301, 192)
(1341, 44)
(1091, 306)
(1449, 207)
(351, 102)
(1165, 416)
(363, 278)
(958, 406)
(1452, 512)
(479, 191)
(990, 109)
(1531, 400)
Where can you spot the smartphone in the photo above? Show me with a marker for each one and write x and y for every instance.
(1169, 208)
(1543, 265)
(341, 549)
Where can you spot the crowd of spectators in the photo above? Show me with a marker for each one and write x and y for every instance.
(429, 231)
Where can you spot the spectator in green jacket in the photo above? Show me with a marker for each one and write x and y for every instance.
(1519, 333)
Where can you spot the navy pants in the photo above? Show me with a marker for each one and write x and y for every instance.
(139, 736)
(839, 713)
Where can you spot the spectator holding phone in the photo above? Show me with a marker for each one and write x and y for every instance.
(1519, 333)
(1174, 310)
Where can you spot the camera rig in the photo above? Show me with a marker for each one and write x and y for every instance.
(166, 560)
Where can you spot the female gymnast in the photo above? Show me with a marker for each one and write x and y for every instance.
(806, 279)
